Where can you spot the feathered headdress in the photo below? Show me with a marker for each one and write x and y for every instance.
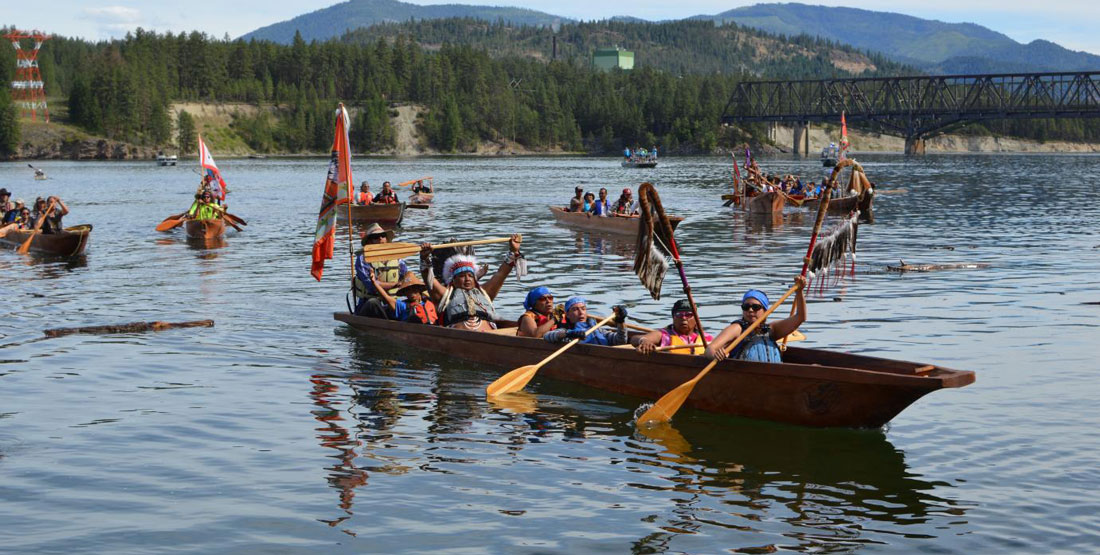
(457, 264)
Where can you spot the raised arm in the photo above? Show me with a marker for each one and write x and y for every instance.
(787, 326)
(436, 290)
(492, 287)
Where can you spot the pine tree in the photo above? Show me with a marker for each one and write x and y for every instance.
(186, 136)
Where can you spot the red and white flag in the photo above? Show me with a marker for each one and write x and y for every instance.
(337, 192)
(206, 160)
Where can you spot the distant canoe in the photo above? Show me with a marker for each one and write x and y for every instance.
(386, 215)
(421, 198)
(766, 203)
(845, 205)
(828, 162)
(810, 387)
(70, 242)
(639, 164)
(205, 229)
(611, 224)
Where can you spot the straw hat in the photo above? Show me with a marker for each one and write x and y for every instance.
(376, 229)
(410, 280)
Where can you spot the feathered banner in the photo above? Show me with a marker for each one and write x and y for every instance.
(206, 160)
(337, 192)
(652, 253)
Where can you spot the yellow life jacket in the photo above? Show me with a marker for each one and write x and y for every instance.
(668, 337)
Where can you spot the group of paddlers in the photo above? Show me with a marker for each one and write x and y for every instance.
(589, 204)
(457, 299)
(386, 196)
(49, 210)
(207, 205)
(640, 154)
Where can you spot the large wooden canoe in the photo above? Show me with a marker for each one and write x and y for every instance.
(205, 229)
(386, 215)
(845, 205)
(639, 164)
(766, 203)
(612, 224)
(813, 388)
(70, 242)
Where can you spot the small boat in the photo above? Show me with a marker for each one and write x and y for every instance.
(40, 177)
(70, 242)
(205, 229)
(611, 224)
(421, 198)
(166, 160)
(812, 387)
(639, 163)
(830, 155)
(766, 203)
(386, 215)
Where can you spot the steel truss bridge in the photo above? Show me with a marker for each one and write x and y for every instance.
(915, 107)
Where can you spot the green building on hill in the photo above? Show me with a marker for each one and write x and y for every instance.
(610, 58)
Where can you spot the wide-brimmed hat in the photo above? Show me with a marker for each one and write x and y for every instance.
(376, 229)
(19, 201)
(410, 280)
(5, 192)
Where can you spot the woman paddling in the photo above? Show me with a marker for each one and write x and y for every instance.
(682, 331)
(762, 345)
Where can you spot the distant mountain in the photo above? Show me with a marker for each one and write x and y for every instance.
(333, 21)
(934, 46)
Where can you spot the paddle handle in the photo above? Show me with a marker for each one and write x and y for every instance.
(26, 246)
(574, 342)
(477, 242)
(677, 347)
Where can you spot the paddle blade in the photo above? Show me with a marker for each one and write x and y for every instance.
(389, 251)
(512, 381)
(26, 246)
(235, 219)
(666, 406)
(170, 223)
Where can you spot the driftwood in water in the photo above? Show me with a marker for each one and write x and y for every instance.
(128, 328)
(903, 267)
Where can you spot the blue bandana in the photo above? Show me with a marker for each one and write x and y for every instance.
(758, 295)
(534, 295)
(574, 301)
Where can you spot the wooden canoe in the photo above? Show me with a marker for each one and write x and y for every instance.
(640, 164)
(421, 198)
(611, 224)
(386, 215)
(766, 203)
(813, 388)
(70, 242)
(205, 229)
(844, 205)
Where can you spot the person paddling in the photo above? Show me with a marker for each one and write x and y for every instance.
(577, 322)
(540, 316)
(684, 330)
(762, 345)
(204, 207)
(371, 277)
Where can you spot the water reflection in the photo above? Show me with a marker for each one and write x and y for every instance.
(602, 244)
(45, 266)
(344, 475)
(207, 244)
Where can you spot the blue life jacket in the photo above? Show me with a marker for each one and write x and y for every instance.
(758, 347)
(598, 337)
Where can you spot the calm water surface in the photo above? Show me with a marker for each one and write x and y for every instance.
(282, 430)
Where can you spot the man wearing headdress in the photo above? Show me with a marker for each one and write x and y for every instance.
(462, 302)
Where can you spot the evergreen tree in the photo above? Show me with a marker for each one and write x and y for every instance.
(9, 127)
(186, 137)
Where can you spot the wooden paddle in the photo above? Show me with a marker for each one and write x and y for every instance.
(410, 182)
(516, 379)
(417, 206)
(172, 222)
(236, 219)
(666, 406)
(390, 251)
(26, 246)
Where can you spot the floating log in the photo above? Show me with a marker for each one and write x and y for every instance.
(129, 328)
(933, 267)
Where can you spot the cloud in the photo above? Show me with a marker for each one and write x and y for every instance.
(114, 21)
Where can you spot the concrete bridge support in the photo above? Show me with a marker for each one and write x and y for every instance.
(802, 138)
(914, 146)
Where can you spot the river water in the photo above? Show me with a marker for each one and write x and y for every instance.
(282, 430)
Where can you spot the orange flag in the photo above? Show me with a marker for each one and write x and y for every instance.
(843, 133)
(337, 192)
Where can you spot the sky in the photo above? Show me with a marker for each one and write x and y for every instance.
(1070, 23)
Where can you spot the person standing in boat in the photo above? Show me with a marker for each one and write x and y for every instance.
(541, 316)
(684, 330)
(577, 322)
(363, 196)
(371, 277)
(52, 224)
(577, 201)
(462, 302)
(386, 195)
(417, 308)
(761, 345)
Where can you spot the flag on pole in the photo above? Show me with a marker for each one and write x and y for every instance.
(843, 133)
(337, 192)
(206, 160)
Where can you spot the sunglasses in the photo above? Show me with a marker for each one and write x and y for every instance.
(751, 306)
(682, 315)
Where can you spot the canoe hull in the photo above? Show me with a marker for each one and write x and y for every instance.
(611, 224)
(205, 229)
(626, 164)
(386, 215)
(817, 388)
(844, 205)
(421, 198)
(766, 203)
(70, 242)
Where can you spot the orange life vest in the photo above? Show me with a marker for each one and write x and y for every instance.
(363, 198)
(424, 313)
(540, 319)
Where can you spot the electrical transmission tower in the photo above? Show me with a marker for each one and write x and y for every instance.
(27, 90)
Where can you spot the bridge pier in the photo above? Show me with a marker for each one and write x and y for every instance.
(802, 138)
(914, 146)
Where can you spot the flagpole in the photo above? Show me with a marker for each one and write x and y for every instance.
(351, 226)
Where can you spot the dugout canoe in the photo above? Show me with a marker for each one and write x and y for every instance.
(611, 224)
(639, 164)
(813, 388)
(205, 229)
(386, 215)
(70, 242)
(844, 205)
(766, 203)
(421, 198)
